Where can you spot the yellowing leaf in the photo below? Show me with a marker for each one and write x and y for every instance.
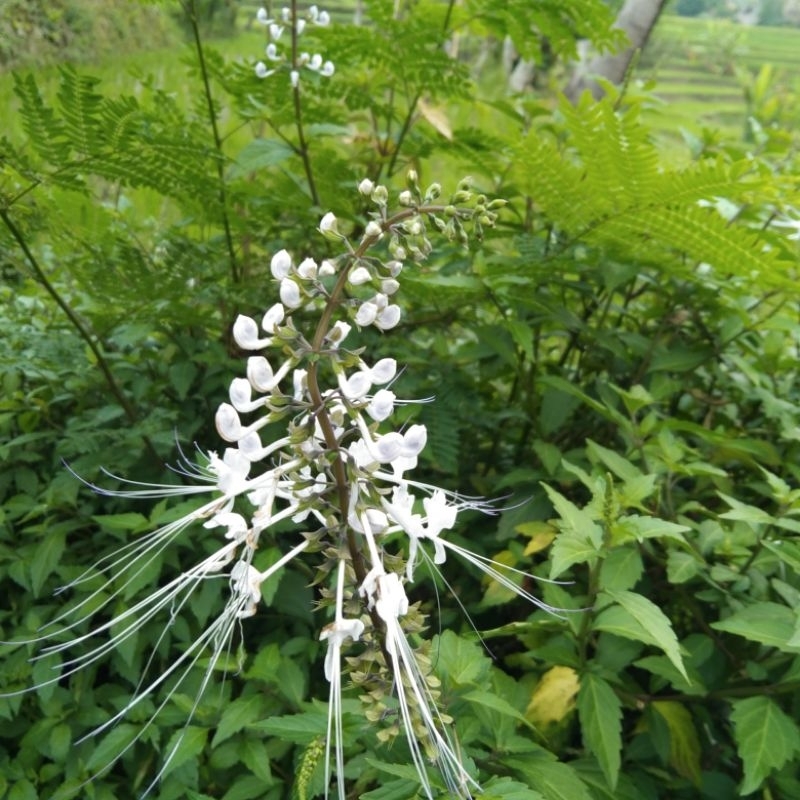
(684, 743)
(554, 696)
(541, 536)
(437, 118)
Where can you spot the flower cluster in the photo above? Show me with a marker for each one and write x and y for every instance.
(297, 60)
(335, 471)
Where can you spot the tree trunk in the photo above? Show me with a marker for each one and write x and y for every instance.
(637, 18)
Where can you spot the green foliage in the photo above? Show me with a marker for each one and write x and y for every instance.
(619, 359)
(35, 32)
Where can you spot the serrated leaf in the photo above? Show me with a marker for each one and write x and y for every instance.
(579, 539)
(297, 728)
(459, 660)
(684, 743)
(600, 714)
(237, 715)
(635, 617)
(766, 738)
(768, 623)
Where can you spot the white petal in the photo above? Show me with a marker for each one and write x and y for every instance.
(290, 293)
(388, 318)
(281, 265)
(384, 370)
(245, 334)
(272, 318)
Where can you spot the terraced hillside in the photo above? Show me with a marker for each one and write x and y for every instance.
(706, 71)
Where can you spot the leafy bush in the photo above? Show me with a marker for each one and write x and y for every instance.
(616, 361)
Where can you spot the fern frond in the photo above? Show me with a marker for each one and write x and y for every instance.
(80, 106)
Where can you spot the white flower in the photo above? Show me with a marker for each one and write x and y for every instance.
(365, 187)
(281, 265)
(366, 314)
(294, 78)
(245, 334)
(290, 294)
(260, 374)
(327, 69)
(275, 31)
(307, 269)
(271, 52)
(388, 318)
(381, 405)
(272, 318)
(263, 17)
(262, 71)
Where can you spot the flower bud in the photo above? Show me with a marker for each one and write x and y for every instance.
(366, 187)
(359, 276)
(433, 191)
(405, 198)
(307, 269)
(329, 228)
(380, 195)
(373, 229)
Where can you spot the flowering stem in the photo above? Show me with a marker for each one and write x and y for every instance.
(298, 114)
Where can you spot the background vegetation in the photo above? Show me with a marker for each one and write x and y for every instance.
(619, 359)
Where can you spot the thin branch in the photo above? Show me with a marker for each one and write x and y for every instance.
(80, 327)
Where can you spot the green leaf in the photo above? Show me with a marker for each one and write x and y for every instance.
(600, 714)
(788, 552)
(185, 744)
(261, 153)
(768, 623)
(766, 738)
(620, 466)
(111, 746)
(496, 703)
(394, 790)
(237, 715)
(23, 790)
(741, 512)
(681, 566)
(580, 538)
(461, 661)
(640, 528)
(507, 789)
(622, 568)
(553, 779)
(47, 556)
(297, 728)
(636, 617)
(684, 743)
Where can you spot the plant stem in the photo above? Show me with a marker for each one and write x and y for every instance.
(298, 115)
(80, 327)
(191, 13)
